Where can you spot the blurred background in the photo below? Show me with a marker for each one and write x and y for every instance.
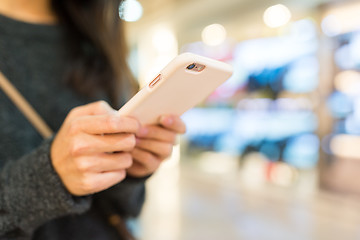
(274, 153)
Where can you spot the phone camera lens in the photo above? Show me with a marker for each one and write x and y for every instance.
(191, 66)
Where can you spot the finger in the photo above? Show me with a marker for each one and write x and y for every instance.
(85, 144)
(145, 158)
(157, 133)
(97, 182)
(105, 162)
(138, 170)
(144, 163)
(173, 123)
(104, 124)
(95, 108)
(160, 149)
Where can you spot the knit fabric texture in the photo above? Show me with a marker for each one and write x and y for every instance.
(34, 204)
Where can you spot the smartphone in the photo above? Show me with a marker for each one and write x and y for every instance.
(185, 82)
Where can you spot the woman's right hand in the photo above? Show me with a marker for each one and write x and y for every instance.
(92, 149)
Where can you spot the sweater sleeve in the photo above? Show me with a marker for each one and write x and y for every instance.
(31, 193)
(125, 199)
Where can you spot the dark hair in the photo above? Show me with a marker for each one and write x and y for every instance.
(97, 47)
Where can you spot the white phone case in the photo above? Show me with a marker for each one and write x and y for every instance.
(176, 89)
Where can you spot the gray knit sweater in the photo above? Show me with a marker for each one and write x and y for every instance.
(33, 201)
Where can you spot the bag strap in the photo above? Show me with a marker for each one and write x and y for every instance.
(24, 106)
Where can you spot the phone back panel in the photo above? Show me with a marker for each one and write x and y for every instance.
(178, 88)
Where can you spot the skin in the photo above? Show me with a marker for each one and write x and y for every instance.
(35, 11)
(96, 148)
(154, 144)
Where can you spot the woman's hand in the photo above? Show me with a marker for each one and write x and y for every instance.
(91, 152)
(154, 143)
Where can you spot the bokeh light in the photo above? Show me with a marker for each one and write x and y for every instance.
(214, 34)
(130, 10)
(331, 26)
(164, 40)
(302, 151)
(346, 146)
(277, 16)
(340, 105)
(303, 30)
(303, 75)
(348, 82)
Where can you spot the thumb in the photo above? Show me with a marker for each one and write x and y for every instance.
(95, 108)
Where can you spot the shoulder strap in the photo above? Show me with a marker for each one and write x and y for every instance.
(24, 106)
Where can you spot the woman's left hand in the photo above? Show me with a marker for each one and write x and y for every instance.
(154, 143)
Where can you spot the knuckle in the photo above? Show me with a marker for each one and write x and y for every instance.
(82, 166)
(100, 105)
(77, 147)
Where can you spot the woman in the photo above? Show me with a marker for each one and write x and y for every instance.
(87, 178)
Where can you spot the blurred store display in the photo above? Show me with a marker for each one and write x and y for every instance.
(341, 146)
(255, 148)
(266, 107)
(279, 103)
